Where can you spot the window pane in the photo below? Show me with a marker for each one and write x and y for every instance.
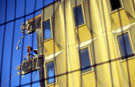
(78, 16)
(115, 4)
(50, 72)
(125, 45)
(47, 29)
(84, 60)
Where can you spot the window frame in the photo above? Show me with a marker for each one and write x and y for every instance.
(118, 45)
(90, 59)
(50, 29)
(46, 75)
(110, 6)
(83, 14)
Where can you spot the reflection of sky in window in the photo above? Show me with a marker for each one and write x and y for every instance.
(125, 45)
(47, 29)
(8, 40)
(50, 72)
(85, 61)
(78, 16)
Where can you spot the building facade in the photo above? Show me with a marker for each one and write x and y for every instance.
(87, 43)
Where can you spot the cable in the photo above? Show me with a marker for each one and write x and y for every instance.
(9, 79)
(34, 76)
(18, 43)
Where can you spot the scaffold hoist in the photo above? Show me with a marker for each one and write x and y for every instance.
(30, 62)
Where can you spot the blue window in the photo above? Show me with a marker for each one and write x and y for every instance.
(78, 16)
(47, 29)
(50, 72)
(125, 45)
(85, 60)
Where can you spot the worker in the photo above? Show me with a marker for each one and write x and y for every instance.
(29, 49)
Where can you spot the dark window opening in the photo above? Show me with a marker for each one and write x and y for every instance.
(50, 72)
(125, 46)
(47, 29)
(115, 4)
(78, 16)
(85, 60)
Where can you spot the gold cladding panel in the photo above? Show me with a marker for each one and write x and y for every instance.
(84, 33)
(129, 68)
(49, 47)
(118, 16)
(88, 79)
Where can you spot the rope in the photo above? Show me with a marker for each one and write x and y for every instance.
(9, 79)
(34, 76)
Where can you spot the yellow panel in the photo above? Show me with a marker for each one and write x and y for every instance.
(84, 33)
(33, 19)
(129, 68)
(49, 46)
(123, 17)
(88, 79)
(53, 85)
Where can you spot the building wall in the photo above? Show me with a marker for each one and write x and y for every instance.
(99, 33)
